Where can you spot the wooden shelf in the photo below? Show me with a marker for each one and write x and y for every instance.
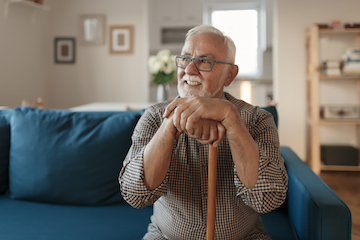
(343, 30)
(339, 168)
(314, 80)
(340, 77)
(340, 122)
(25, 2)
(32, 4)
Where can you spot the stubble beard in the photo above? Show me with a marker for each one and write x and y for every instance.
(194, 92)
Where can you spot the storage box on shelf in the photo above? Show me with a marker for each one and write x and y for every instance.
(315, 106)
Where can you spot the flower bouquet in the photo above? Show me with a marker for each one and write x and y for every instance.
(162, 67)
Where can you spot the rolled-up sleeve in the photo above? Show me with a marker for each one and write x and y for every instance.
(270, 189)
(131, 177)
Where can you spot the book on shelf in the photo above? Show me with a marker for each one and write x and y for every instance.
(351, 68)
(332, 72)
(332, 67)
(333, 63)
(351, 65)
(352, 54)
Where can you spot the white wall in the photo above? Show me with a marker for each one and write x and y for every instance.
(291, 19)
(23, 67)
(98, 75)
(27, 68)
(28, 71)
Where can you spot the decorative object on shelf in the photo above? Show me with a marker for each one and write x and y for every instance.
(339, 112)
(323, 26)
(336, 24)
(121, 39)
(351, 61)
(92, 29)
(162, 66)
(352, 25)
(36, 1)
(31, 3)
(64, 50)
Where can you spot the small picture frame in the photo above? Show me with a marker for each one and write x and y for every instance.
(121, 39)
(92, 29)
(64, 50)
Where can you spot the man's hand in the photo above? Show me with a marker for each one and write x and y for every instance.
(190, 110)
(193, 115)
(206, 131)
(200, 118)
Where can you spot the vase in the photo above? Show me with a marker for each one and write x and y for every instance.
(162, 92)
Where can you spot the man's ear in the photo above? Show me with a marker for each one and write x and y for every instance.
(233, 71)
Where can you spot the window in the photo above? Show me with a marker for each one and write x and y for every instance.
(241, 22)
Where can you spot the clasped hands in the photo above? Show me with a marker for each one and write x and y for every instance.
(200, 118)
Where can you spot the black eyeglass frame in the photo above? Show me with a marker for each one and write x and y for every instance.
(191, 59)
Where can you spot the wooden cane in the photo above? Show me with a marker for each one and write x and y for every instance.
(212, 168)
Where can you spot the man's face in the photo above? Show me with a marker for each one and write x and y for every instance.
(191, 81)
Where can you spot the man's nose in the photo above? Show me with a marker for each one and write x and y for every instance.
(191, 68)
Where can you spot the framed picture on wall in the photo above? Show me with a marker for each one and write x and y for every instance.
(64, 50)
(121, 39)
(92, 29)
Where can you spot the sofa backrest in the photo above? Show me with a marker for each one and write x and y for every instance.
(273, 111)
(65, 157)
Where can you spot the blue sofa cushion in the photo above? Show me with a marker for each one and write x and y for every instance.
(21, 220)
(68, 157)
(4, 149)
(276, 218)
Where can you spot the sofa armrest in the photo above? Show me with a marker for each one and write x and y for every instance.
(314, 209)
(4, 149)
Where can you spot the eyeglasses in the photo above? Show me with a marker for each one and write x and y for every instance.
(202, 64)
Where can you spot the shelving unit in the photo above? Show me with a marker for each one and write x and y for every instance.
(314, 79)
(34, 5)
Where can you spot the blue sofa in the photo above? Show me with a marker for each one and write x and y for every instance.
(58, 180)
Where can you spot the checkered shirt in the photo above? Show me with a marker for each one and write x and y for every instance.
(180, 202)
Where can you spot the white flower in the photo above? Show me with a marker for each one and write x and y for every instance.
(168, 69)
(162, 63)
(172, 62)
(154, 65)
(163, 53)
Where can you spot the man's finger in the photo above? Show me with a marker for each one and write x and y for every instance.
(178, 134)
(172, 106)
(221, 134)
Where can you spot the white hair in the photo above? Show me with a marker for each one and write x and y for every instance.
(210, 29)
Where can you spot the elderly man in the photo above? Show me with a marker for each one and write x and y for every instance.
(167, 163)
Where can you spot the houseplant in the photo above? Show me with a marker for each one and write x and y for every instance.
(162, 67)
